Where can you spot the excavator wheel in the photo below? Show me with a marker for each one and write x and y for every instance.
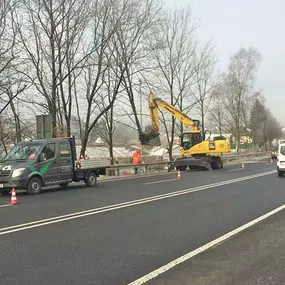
(181, 168)
(216, 162)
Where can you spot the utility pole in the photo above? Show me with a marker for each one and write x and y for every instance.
(140, 91)
(140, 94)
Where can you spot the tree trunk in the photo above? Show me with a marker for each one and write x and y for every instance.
(16, 120)
(111, 151)
(54, 72)
(68, 128)
(84, 144)
(130, 93)
(170, 147)
(202, 119)
(110, 134)
(4, 146)
(87, 130)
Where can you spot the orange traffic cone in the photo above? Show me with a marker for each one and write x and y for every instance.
(242, 164)
(178, 174)
(14, 200)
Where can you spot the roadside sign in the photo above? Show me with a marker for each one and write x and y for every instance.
(44, 126)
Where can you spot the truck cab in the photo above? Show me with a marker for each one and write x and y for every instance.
(32, 165)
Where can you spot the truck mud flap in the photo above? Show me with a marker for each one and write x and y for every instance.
(192, 163)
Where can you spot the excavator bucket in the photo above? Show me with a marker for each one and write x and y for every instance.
(202, 163)
(146, 138)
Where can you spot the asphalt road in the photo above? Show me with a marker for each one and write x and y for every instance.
(122, 230)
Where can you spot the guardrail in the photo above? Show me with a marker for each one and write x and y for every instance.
(129, 169)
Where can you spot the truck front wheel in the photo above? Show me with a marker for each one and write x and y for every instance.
(34, 186)
(90, 179)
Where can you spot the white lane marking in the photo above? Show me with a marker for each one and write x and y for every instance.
(160, 181)
(236, 169)
(76, 215)
(203, 248)
(6, 205)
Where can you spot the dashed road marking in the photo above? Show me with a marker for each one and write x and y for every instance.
(160, 181)
(6, 205)
(236, 169)
(95, 211)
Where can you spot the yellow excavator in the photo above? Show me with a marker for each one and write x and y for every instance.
(197, 151)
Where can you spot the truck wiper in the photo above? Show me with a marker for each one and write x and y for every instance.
(14, 159)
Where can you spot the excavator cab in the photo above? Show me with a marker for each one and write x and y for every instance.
(189, 139)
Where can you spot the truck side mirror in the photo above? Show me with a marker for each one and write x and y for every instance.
(42, 157)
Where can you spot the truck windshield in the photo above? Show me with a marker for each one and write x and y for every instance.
(23, 152)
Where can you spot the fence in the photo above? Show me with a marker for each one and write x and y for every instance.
(126, 169)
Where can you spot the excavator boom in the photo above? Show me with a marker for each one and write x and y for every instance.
(154, 104)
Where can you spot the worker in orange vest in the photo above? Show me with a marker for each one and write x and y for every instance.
(136, 159)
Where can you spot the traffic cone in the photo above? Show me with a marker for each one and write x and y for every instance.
(178, 174)
(242, 164)
(14, 200)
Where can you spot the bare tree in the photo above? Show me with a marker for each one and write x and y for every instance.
(217, 115)
(4, 132)
(264, 126)
(173, 53)
(7, 39)
(10, 83)
(105, 20)
(76, 16)
(50, 34)
(106, 127)
(272, 129)
(258, 116)
(205, 82)
(239, 88)
(132, 36)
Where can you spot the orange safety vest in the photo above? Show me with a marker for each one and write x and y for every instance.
(136, 159)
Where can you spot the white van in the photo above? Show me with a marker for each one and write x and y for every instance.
(281, 160)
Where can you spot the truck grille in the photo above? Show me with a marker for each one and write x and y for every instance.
(5, 173)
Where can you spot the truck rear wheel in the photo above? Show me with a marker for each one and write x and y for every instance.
(280, 173)
(90, 179)
(34, 186)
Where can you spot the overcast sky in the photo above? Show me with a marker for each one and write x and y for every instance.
(257, 23)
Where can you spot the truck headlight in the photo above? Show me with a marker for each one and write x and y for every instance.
(18, 172)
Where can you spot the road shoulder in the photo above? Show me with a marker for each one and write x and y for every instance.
(255, 256)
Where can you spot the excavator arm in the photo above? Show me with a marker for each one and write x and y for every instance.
(155, 103)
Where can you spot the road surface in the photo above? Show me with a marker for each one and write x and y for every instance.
(124, 230)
